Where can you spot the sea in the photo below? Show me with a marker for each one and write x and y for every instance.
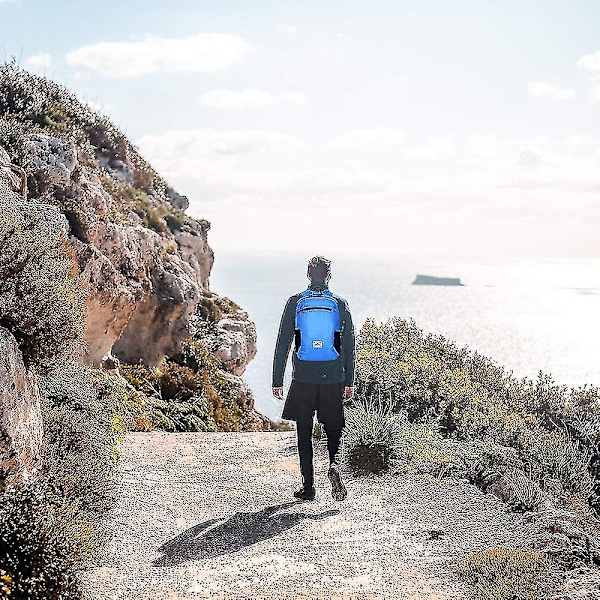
(528, 315)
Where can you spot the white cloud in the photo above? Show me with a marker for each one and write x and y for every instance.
(476, 184)
(540, 89)
(434, 149)
(379, 136)
(595, 93)
(482, 146)
(590, 62)
(286, 29)
(530, 158)
(249, 98)
(582, 140)
(106, 108)
(39, 61)
(208, 142)
(201, 53)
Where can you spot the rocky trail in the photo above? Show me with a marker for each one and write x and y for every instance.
(211, 515)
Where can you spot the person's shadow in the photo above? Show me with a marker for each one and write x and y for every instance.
(241, 530)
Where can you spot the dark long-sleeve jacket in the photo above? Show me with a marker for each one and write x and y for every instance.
(309, 371)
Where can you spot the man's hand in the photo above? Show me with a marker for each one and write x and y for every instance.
(278, 393)
(348, 393)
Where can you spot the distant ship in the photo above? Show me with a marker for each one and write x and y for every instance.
(431, 280)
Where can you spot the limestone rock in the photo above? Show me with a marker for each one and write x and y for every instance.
(177, 200)
(234, 341)
(142, 287)
(20, 416)
(145, 265)
(118, 169)
(53, 157)
(194, 248)
(11, 178)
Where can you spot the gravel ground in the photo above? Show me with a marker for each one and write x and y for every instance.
(211, 515)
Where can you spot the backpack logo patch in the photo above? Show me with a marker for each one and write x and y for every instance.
(317, 344)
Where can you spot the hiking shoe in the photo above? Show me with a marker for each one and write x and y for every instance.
(338, 491)
(305, 493)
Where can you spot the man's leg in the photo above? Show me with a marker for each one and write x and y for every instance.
(304, 427)
(334, 435)
(331, 408)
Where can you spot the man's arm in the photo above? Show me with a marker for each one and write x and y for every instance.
(284, 342)
(348, 344)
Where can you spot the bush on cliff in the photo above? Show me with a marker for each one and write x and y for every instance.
(41, 298)
(552, 432)
(33, 104)
(188, 392)
(37, 561)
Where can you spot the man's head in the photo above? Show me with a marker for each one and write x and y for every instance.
(319, 269)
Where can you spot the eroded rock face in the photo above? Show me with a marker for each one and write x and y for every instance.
(235, 341)
(143, 284)
(20, 417)
(146, 266)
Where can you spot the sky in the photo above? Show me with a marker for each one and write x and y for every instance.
(437, 127)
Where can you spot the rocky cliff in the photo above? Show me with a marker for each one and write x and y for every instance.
(145, 263)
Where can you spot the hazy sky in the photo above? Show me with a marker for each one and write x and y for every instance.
(432, 126)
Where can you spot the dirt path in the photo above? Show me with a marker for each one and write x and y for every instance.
(212, 516)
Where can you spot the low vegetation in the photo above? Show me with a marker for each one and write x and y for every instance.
(190, 391)
(31, 104)
(501, 573)
(423, 405)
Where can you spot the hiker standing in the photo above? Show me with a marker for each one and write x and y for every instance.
(320, 325)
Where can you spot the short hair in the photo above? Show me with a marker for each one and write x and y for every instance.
(319, 269)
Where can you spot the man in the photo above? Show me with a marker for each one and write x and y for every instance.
(323, 363)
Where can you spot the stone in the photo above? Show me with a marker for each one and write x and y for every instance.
(54, 157)
(177, 200)
(144, 282)
(21, 426)
(233, 341)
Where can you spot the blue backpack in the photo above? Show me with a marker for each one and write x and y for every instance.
(317, 326)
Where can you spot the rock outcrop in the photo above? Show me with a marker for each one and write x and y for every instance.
(144, 262)
(234, 341)
(143, 285)
(20, 416)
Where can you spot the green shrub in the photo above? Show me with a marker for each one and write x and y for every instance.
(209, 309)
(38, 557)
(506, 574)
(42, 301)
(188, 392)
(131, 199)
(552, 432)
(34, 104)
(372, 436)
(84, 417)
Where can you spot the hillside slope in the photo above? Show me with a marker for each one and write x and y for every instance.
(144, 262)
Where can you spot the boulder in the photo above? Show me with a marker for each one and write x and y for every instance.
(20, 415)
(234, 341)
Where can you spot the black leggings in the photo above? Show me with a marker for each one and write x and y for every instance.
(304, 429)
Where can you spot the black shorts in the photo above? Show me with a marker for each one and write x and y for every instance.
(326, 398)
